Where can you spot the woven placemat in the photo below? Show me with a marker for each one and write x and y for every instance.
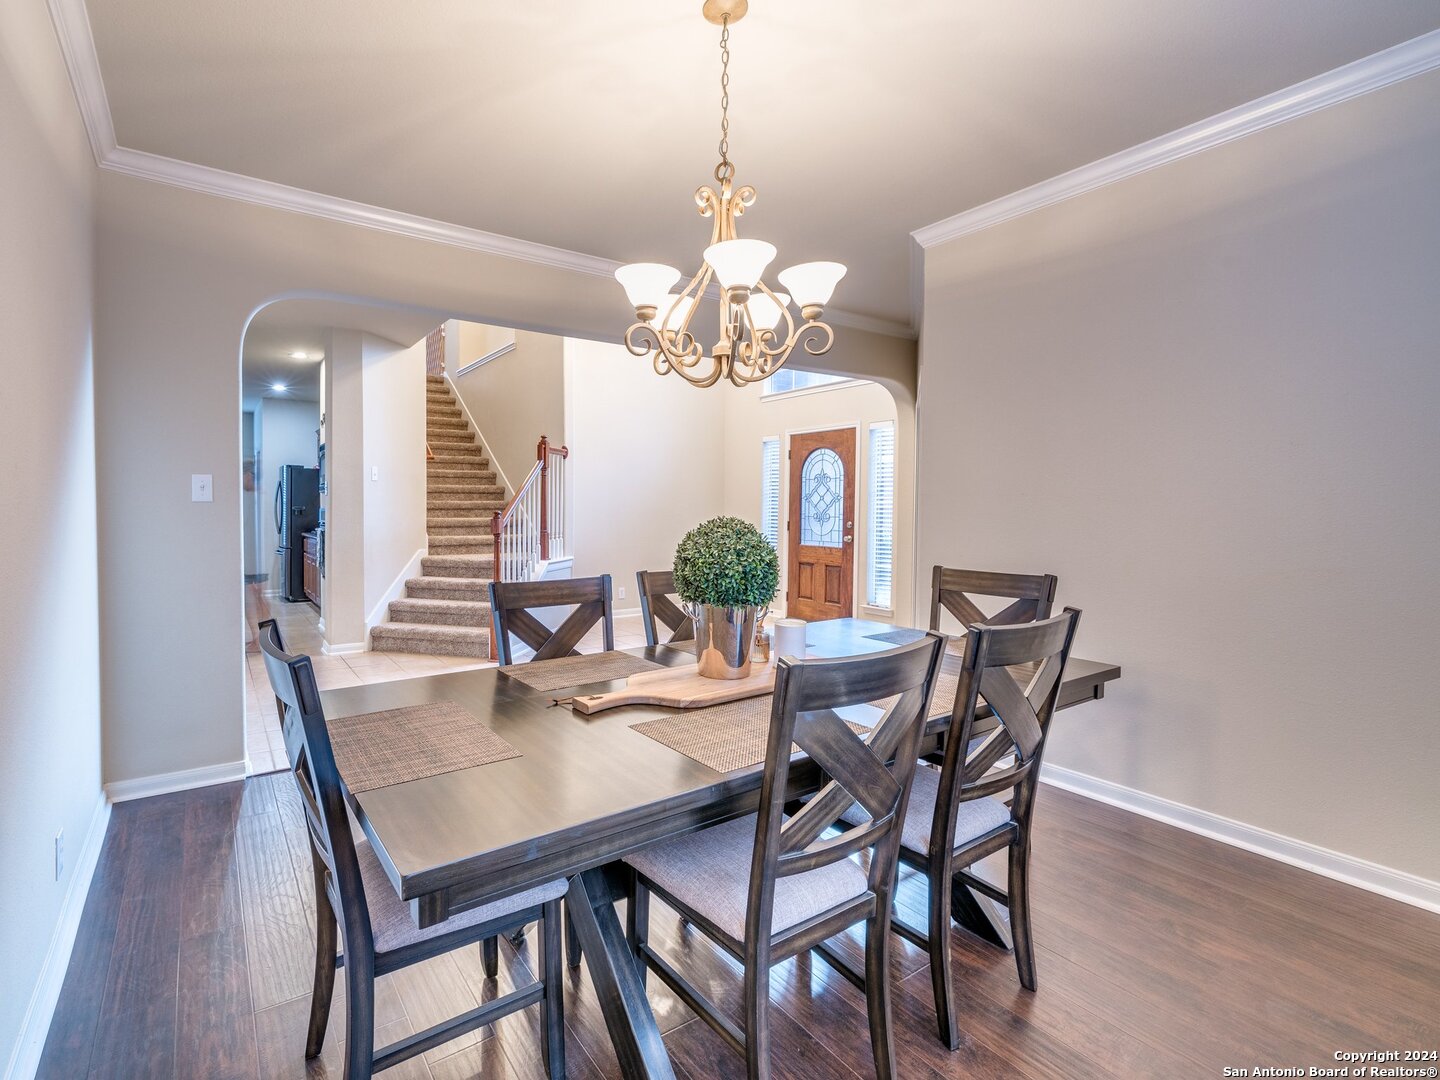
(566, 671)
(723, 737)
(379, 749)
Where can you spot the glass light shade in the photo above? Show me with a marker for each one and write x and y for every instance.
(647, 284)
(812, 283)
(739, 263)
(672, 312)
(764, 312)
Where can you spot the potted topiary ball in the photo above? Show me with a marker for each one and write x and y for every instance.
(726, 572)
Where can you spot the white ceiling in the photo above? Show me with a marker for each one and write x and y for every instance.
(290, 326)
(587, 126)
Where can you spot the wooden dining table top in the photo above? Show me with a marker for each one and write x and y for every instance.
(584, 790)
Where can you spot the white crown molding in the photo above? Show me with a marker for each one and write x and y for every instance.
(77, 46)
(1396, 884)
(30, 1044)
(143, 787)
(1381, 69)
(249, 189)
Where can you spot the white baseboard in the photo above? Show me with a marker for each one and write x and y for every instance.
(381, 611)
(25, 1059)
(345, 648)
(1396, 884)
(144, 786)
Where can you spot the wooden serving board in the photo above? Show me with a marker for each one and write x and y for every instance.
(681, 687)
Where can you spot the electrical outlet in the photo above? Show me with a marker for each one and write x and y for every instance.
(59, 854)
(622, 592)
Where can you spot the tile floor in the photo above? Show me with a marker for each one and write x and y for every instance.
(299, 626)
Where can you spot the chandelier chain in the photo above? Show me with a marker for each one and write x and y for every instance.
(725, 171)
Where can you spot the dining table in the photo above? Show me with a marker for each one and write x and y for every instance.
(578, 794)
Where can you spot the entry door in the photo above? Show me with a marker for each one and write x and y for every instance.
(821, 526)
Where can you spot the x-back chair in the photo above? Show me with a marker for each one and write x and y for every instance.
(953, 590)
(357, 907)
(957, 817)
(512, 604)
(770, 886)
(656, 608)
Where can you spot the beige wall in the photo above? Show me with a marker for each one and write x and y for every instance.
(342, 590)
(49, 662)
(750, 417)
(647, 463)
(394, 471)
(179, 275)
(515, 398)
(1207, 399)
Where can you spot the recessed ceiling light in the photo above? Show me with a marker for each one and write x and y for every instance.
(279, 387)
(298, 355)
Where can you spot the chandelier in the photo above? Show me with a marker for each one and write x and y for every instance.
(757, 331)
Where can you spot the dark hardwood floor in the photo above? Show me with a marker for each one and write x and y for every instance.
(1160, 953)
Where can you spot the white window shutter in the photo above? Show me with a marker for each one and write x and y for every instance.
(882, 515)
(770, 490)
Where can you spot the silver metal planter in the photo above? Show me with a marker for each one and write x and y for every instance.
(724, 637)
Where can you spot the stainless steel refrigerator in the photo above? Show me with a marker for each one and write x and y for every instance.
(297, 511)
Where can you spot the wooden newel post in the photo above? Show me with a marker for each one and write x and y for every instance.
(542, 454)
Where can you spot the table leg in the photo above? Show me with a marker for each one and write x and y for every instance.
(979, 914)
(633, 1030)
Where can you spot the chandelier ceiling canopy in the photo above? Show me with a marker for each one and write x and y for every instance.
(751, 345)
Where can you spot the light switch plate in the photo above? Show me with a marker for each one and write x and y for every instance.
(374, 472)
(202, 488)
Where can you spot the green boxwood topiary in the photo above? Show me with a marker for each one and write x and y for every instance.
(726, 562)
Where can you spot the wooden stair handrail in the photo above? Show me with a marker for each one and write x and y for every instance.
(539, 473)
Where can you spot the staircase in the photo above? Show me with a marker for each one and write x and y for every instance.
(446, 611)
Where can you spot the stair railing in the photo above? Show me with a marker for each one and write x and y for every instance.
(533, 526)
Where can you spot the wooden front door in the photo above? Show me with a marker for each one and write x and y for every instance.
(821, 526)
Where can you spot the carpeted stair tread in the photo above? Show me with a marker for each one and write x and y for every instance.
(450, 473)
(459, 526)
(471, 590)
(444, 485)
(460, 545)
(460, 566)
(413, 610)
(457, 451)
(432, 640)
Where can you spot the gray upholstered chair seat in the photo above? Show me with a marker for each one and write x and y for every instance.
(390, 916)
(975, 817)
(709, 872)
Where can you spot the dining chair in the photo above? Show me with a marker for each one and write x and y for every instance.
(512, 604)
(1032, 596)
(956, 815)
(355, 900)
(656, 588)
(769, 886)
